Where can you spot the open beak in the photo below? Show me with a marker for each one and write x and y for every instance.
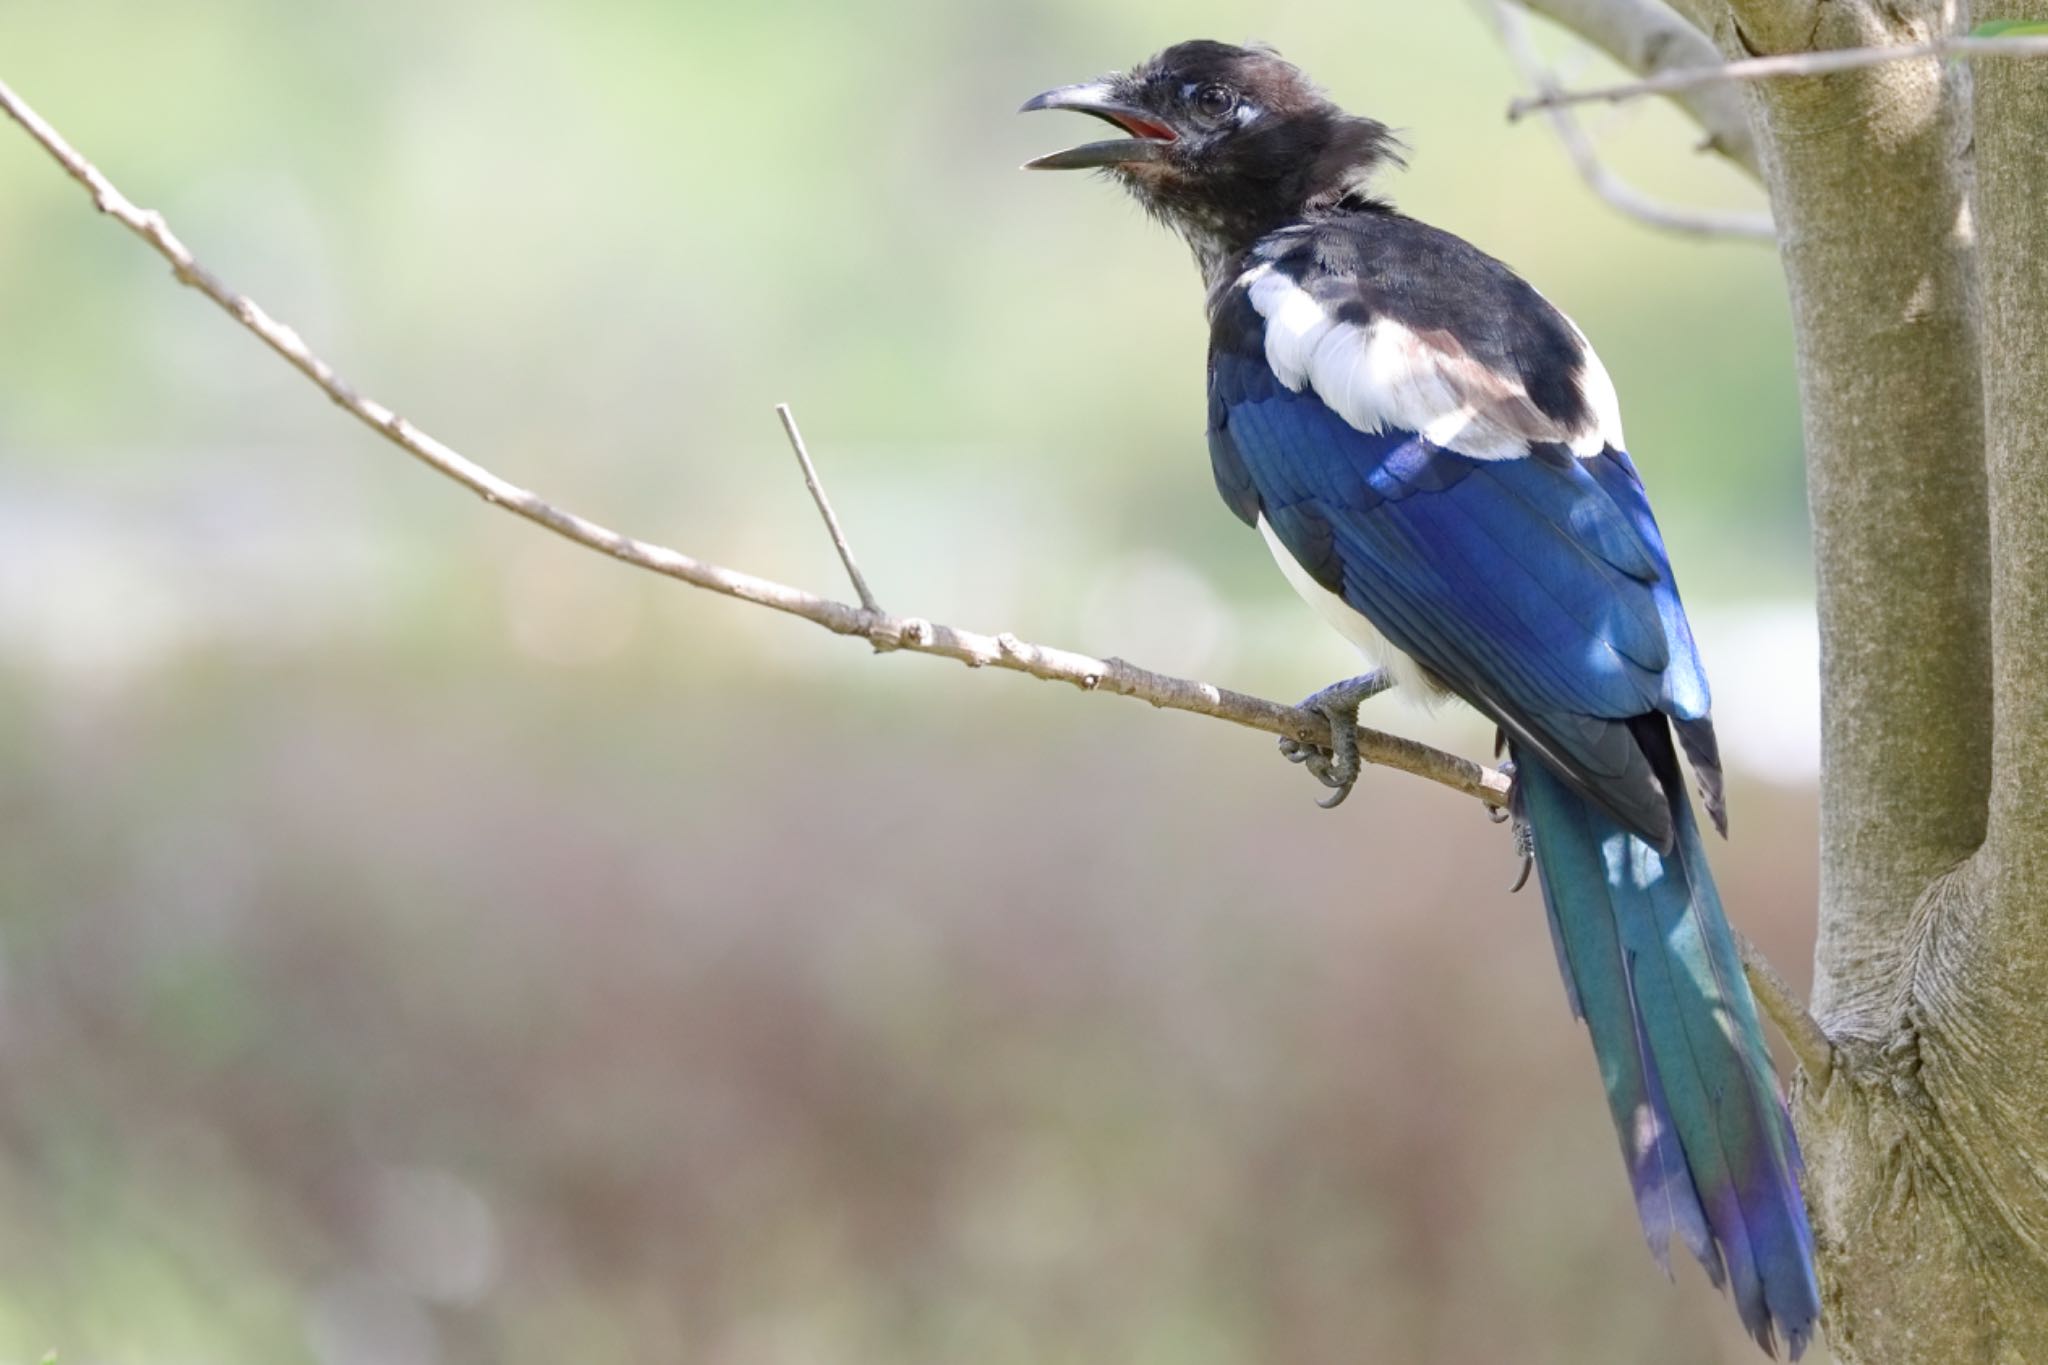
(1148, 140)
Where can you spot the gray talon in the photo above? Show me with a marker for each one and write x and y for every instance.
(1502, 814)
(1525, 837)
(1337, 766)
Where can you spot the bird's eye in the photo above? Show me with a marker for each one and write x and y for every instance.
(1215, 102)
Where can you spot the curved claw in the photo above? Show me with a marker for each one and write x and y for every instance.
(1525, 837)
(1336, 767)
(1327, 773)
(1317, 761)
(1500, 815)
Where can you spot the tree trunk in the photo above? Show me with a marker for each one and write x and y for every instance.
(1913, 222)
(1917, 341)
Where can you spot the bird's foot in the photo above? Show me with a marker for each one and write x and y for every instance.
(1518, 824)
(1337, 766)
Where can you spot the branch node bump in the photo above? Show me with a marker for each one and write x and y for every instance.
(888, 634)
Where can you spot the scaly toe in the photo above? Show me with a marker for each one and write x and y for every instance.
(1336, 767)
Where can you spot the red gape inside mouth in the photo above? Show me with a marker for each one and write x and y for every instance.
(1144, 128)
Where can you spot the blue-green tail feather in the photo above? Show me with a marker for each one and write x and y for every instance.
(1650, 965)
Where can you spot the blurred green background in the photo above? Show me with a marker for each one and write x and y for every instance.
(424, 941)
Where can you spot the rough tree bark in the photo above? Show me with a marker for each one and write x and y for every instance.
(1913, 219)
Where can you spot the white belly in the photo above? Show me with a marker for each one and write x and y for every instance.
(1351, 623)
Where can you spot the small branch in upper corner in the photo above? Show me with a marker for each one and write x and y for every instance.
(1780, 67)
(832, 528)
(1521, 48)
(1650, 37)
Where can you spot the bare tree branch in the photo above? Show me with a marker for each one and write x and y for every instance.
(1806, 1039)
(1780, 67)
(1650, 39)
(1521, 48)
(884, 631)
(817, 487)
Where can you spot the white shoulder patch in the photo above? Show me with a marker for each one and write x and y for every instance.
(1385, 375)
(1598, 391)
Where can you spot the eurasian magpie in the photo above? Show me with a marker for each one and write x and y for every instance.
(1434, 455)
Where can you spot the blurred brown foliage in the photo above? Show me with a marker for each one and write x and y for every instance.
(383, 1011)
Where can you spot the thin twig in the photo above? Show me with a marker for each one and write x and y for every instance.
(1781, 66)
(817, 487)
(1520, 43)
(1808, 1041)
(1650, 37)
(884, 631)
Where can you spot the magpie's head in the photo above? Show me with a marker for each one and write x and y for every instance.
(1225, 143)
